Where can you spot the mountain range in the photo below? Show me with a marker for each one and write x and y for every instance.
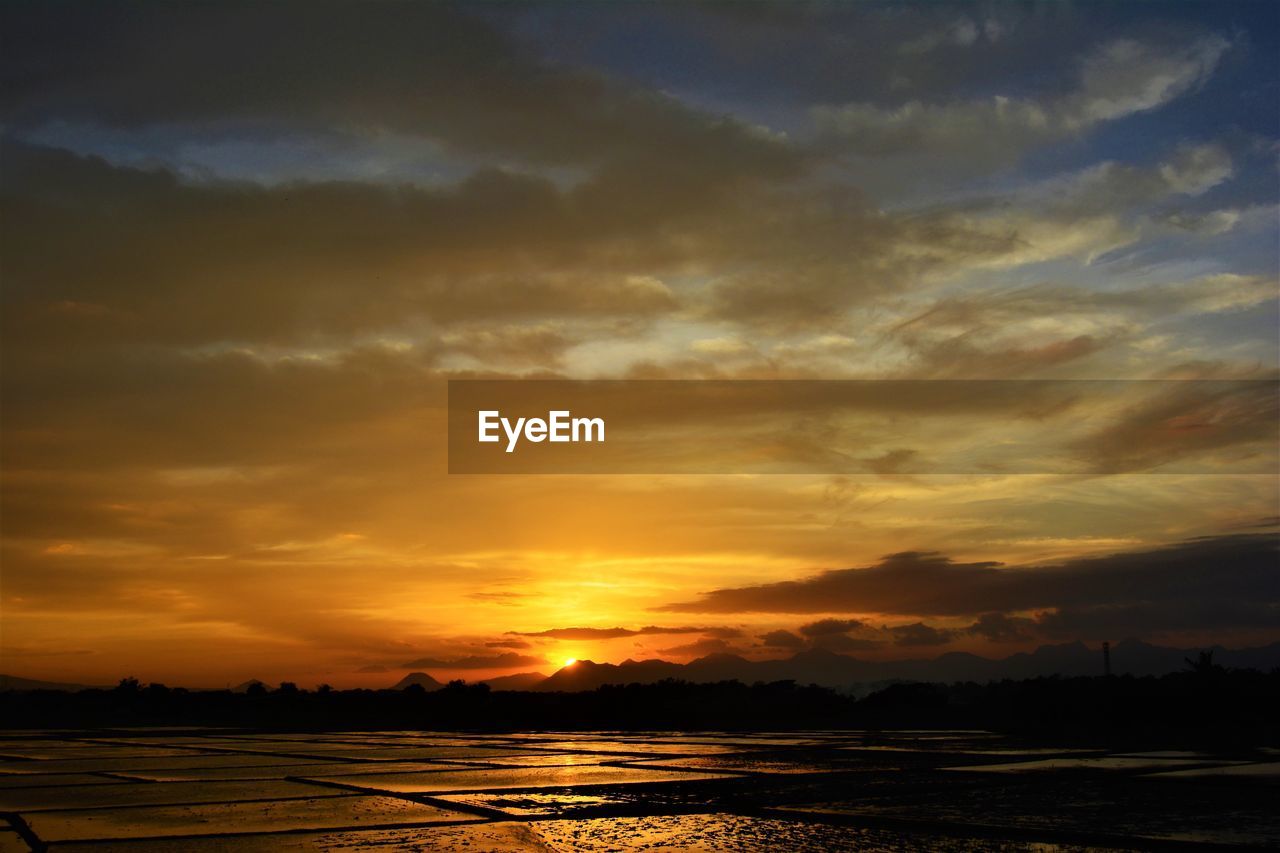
(853, 674)
(830, 669)
(13, 682)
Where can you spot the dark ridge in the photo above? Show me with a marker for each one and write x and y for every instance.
(1205, 704)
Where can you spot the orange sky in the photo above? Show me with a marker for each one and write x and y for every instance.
(228, 322)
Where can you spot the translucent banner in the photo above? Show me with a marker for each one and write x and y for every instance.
(892, 428)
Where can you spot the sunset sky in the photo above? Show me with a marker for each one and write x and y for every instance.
(244, 246)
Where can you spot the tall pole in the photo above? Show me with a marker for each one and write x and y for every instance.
(1106, 657)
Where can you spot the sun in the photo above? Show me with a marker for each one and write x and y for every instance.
(570, 661)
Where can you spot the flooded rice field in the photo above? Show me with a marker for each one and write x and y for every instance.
(228, 790)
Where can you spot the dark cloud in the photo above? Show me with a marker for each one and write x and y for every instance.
(843, 643)
(1216, 572)
(504, 259)
(147, 258)
(200, 410)
(475, 662)
(1002, 628)
(828, 634)
(508, 644)
(158, 261)
(724, 633)
(782, 640)
(431, 71)
(831, 626)
(1144, 619)
(614, 633)
(919, 634)
(704, 646)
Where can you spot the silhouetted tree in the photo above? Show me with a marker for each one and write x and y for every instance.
(1203, 664)
(1204, 705)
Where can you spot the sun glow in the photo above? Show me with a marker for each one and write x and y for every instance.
(570, 661)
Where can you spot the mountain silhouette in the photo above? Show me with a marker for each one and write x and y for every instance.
(245, 686)
(519, 681)
(419, 678)
(588, 675)
(13, 682)
(830, 669)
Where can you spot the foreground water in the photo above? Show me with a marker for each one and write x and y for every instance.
(229, 790)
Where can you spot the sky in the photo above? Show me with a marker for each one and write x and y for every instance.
(245, 246)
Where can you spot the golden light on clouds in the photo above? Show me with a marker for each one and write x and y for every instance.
(229, 326)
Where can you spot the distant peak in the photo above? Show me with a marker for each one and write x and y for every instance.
(419, 678)
(719, 657)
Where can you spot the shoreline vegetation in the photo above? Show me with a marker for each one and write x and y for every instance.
(1205, 705)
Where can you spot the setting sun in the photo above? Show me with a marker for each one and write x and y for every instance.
(836, 377)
